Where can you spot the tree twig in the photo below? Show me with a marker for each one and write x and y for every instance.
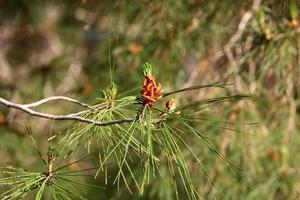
(240, 31)
(71, 117)
(55, 98)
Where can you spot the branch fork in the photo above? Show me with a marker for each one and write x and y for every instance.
(28, 108)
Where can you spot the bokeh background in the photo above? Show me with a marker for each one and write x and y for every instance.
(68, 47)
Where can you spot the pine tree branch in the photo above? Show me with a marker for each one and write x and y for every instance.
(70, 117)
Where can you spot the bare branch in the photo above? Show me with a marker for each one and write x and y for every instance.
(240, 31)
(71, 117)
(243, 24)
(55, 98)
